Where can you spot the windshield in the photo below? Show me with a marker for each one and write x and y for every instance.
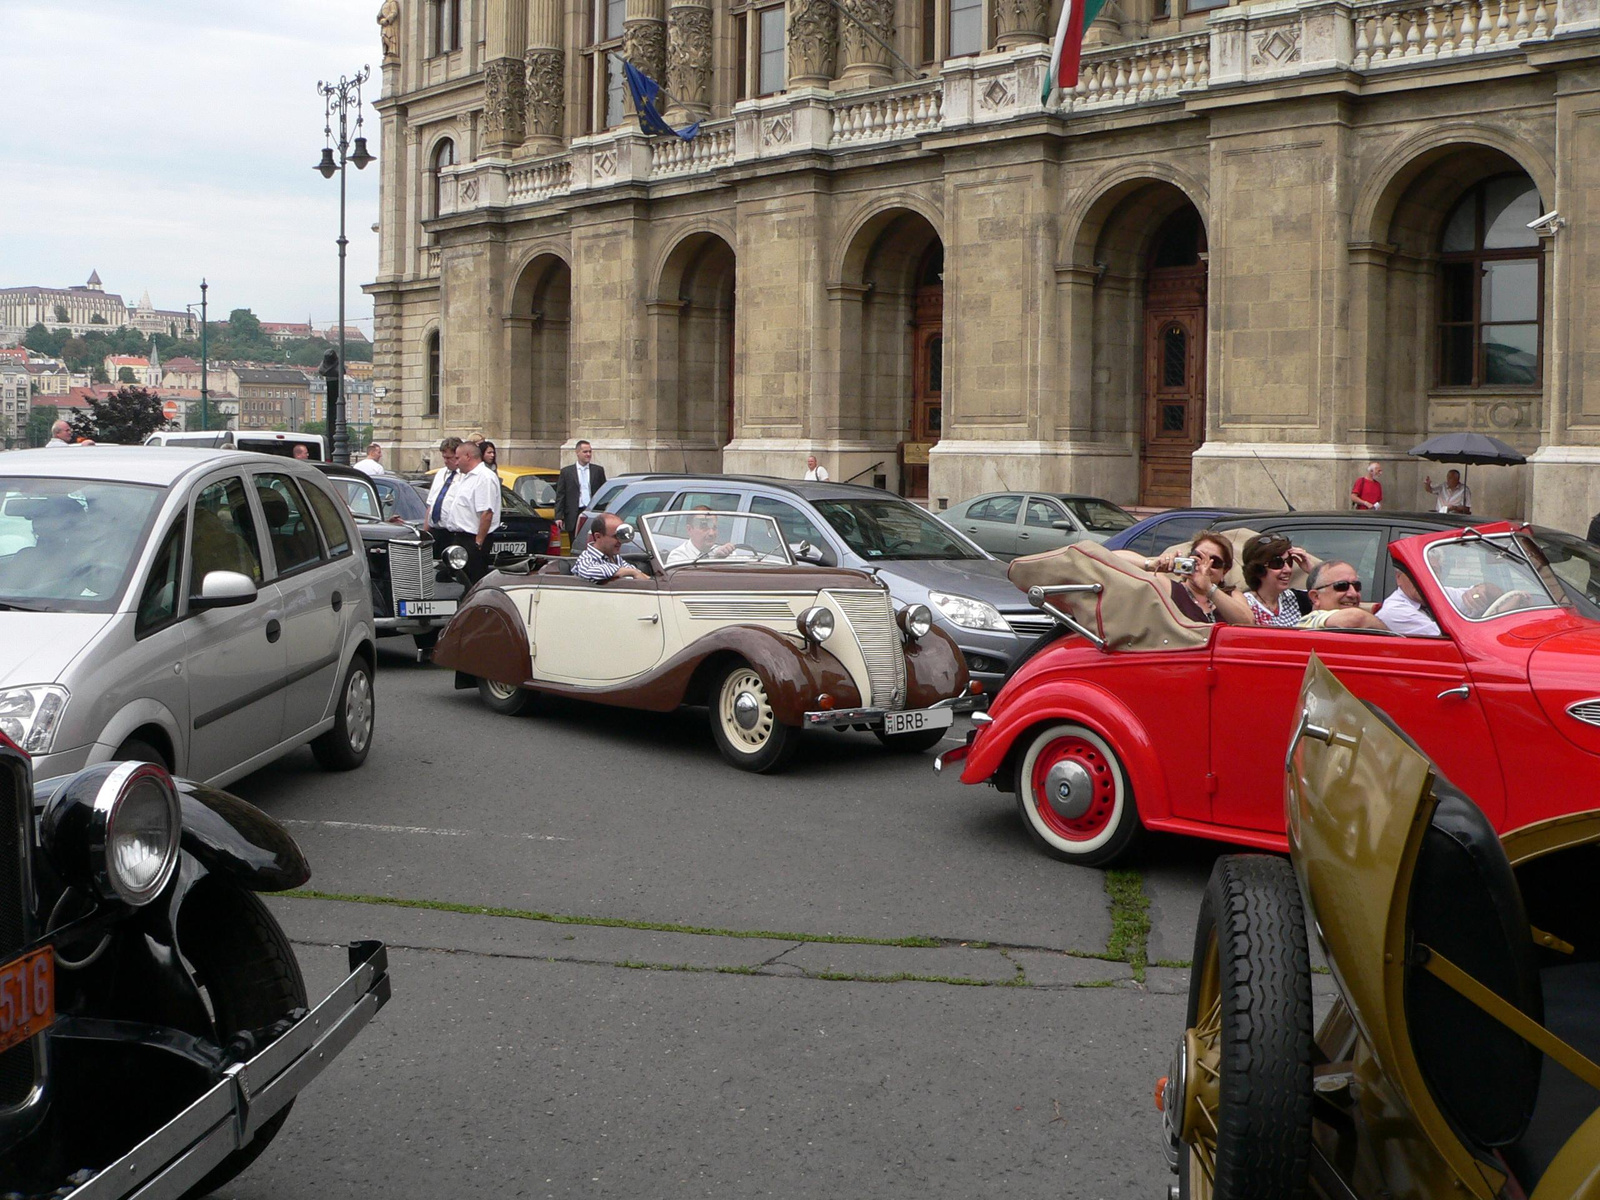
(400, 499)
(283, 448)
(888, 530)
(358, 496)
(700, 537)
(1575, 563)
(535, 489)
(514, 504)
(69, 545)
(1098, 516)
(1484, 578)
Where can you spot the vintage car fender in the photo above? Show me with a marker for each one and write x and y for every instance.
(487, 639)
(935, 669)
(1084, 704)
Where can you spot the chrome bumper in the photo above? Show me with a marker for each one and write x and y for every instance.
(844, 718)
(409, 624)
(178, 1155)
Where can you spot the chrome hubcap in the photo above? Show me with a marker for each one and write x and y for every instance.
(746, 710)
(358, 711)
(1068, 789)
(501, 691)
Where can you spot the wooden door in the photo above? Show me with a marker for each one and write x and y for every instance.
(1174, 384)
(927, 388)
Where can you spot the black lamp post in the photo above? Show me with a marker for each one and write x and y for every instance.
(341, 96)
(205, 401)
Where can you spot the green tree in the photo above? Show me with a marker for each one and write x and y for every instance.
(97, 319)
(40, 418)
(243, 326)
(61, 314)
(125, 418)
(44, 341)
(97, 374)
(125, 375)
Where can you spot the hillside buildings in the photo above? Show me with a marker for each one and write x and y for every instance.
(80, 309)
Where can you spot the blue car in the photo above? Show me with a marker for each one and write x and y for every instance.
(1154, 534)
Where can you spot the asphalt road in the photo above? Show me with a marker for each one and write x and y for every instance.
(857, 978)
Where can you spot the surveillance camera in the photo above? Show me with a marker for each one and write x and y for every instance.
(1550, 222)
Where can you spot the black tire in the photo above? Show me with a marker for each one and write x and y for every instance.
(910, 743)
(1250, 1004)
(345, 746)
(139, 750)
(247, 969)
(1107, 828)
(766, 745)
(507, 699)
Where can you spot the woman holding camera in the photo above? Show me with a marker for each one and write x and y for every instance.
(1198, 592)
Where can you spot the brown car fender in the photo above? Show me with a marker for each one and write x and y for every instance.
(935, 669)
(487, 638)
(795, 678)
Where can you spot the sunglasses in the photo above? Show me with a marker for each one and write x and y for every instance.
(1277, 562)
(1212, 559)
(1340, 585)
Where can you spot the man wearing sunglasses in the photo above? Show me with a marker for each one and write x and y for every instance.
(1335, 590)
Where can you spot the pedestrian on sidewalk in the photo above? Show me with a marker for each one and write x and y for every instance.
(1453, 497)
(1367, 492)
(578, 485)
(815, 473)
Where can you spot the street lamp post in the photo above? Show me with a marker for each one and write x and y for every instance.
(205, 408)
(341, 96)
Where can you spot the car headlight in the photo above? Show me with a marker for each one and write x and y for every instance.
(915, 621)
(969, 613)
(30, 716)
(113, 829)
(455, 557)
(816, 624)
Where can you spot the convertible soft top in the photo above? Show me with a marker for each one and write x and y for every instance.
(1133, 610)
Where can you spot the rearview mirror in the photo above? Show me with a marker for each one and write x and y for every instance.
(223, 589)
(1064, 526)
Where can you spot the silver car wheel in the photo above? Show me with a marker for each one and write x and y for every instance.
(501, 691)
(358, 710)
(745, 711)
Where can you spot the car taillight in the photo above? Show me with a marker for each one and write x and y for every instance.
(553, 546)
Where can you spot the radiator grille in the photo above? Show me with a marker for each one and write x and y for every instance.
(1029, 625)
(410, 571)
(740, 608)
(871, 618)
(18, 1064)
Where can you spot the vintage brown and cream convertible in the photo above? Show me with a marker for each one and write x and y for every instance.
(726, 618)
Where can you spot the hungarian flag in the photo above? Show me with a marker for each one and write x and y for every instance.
(1076, 16)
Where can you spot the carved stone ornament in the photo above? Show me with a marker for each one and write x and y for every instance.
(469, 192)
(1018, 21)
(813, 40)
(389, 30)
(605, 163)
(855, 46)
(689, 54)
(778, 130)
(644, 44)
(1276, 47)
(504, 102)
(1000, 93)
(545, 91)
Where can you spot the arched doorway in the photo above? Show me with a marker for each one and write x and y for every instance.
(539, 328)
(1174, 412)
(694, 404)
(927, 372)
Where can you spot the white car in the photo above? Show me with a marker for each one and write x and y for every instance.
(209, 610)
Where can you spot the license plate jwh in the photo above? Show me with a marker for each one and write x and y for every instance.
(916, 720)
(427, 608)
(27, 997)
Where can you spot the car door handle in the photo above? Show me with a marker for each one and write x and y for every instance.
(1023, 535)
(1463, 692)
(652, 618)
(338, 601)
(274, 631)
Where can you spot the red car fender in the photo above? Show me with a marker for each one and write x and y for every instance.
(1084, 704)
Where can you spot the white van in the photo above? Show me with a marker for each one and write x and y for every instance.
(261, 441)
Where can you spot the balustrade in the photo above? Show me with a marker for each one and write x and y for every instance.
(710, 149)
(431, 260)
(540, 180)
(1388, 35)
(1139, 72)
(887, 115)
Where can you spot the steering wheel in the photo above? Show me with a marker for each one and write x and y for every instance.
(738, 546)
(892, 547)
(1509, 602)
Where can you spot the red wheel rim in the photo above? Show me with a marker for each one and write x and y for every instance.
(1100, 806)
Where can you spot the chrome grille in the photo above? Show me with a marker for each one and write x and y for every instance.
(18, 1065)
(1587, 711)
(871, 619)
(740, 608)
(1029, 625)
(410, 571)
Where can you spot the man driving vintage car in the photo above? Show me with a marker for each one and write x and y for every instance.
(601, 559)
(702, 541)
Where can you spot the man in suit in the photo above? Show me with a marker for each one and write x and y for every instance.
(580, 482)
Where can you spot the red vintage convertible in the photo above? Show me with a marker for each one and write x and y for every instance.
(1136, 718)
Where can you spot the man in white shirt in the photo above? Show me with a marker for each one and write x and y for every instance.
(443, 480)
(61, 435)
(702, 541)
(814, 473)
(372, 464)
(1453, 497)
(471, 510)
(1404, 612)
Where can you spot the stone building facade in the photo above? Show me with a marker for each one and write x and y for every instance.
(1256, 247)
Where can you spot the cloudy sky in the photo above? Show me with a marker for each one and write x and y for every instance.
(159, 141)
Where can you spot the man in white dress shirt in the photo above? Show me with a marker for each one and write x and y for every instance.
(471, 509)
(1453, 497)
(578, 485)
(1404, 612)
(372, 464)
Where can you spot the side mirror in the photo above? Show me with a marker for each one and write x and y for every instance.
(223, 589)
(819, 556)
(1064, 526)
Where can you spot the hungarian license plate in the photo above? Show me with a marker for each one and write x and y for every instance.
(427, 608)
(917, 719)
(518, 548)
(27, 997)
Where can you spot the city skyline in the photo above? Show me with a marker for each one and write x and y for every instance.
(222, 188)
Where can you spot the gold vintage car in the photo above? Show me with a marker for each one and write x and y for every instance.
(1459, 1058)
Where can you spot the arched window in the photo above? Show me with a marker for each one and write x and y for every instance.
(444, 155)
(435, 374)
(1491, 287)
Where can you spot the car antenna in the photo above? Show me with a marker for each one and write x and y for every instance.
(1281, 496)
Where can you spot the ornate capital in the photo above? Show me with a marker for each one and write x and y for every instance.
(644, 44)
(504, 104)
(813, 41)
(545, 91)
(1018, 22)
(856, 48)
(689, 56)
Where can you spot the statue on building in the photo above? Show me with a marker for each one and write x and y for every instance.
(389, 30)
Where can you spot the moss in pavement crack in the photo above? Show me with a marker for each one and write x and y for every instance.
(1130, 919)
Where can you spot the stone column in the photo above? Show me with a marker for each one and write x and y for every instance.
(644, 37)
(688, 60)
(863, 61)
(544, 67)
(813, 35)
(1105, 29)
(1020, 22)
(504, 112)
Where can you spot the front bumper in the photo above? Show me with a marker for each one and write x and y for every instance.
(391, 626)
(872, 718)
(226, 1117)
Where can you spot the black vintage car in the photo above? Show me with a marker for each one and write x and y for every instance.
(410, 595)
(154, 1027)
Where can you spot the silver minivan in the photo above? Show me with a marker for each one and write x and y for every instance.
(206, 609)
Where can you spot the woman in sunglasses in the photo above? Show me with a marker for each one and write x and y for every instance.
(1269, 562)
(1200, 596)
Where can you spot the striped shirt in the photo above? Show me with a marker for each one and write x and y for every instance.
(595, 566)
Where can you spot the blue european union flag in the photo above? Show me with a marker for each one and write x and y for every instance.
(644, 91)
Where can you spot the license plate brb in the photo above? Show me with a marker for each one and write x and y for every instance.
(917, 720)
(27, 997)
(427, 608)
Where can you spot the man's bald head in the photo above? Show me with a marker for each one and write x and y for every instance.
(468, 455)
(61, 430)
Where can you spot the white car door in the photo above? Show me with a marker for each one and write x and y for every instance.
(235, 656)
(596, 633)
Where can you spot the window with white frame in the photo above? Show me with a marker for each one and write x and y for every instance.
(762, 64)
(607, 97)
(444, 155)
(952, 29)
